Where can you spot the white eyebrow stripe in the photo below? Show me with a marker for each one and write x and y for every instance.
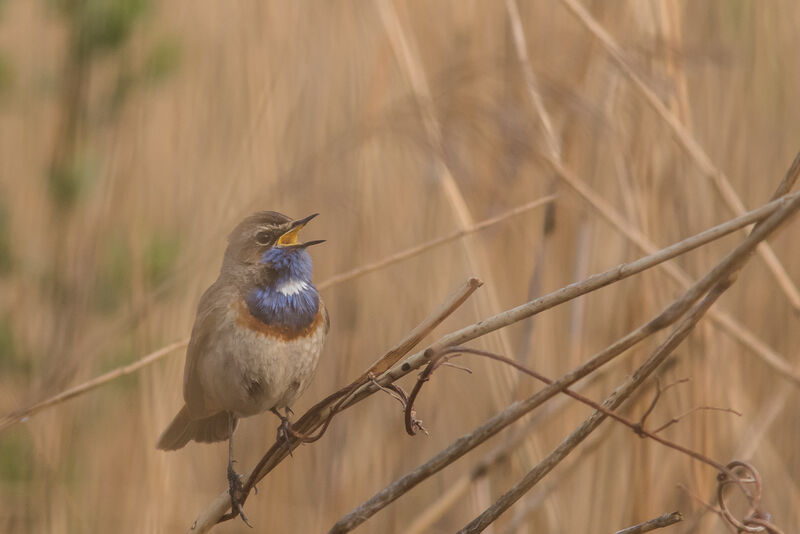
(292, 287)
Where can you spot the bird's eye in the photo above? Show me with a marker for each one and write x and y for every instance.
(264, 237)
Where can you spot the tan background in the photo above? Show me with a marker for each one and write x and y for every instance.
(304, 107)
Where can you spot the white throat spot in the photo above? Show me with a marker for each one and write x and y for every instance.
(292, 287)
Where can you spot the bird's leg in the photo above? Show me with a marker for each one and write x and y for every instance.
(234, 482)
(284, 430)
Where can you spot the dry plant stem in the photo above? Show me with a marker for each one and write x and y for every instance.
(157, 355)
(94, 383)
(590, 284)
(721, 318)
(534, 499)
(723, 276)
(638, 428)
(659, 522)
(688, 142)
(320, 415)
(419, 249)
(408, 59)
(461, 446)
(589, 425)
(498, 455)
(521, 48)
(424, 328)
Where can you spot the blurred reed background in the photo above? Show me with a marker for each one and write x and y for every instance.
(135, 133)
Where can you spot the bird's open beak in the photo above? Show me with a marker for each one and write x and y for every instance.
(289, 238)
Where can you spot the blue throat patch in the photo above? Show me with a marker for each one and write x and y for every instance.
(290, 300)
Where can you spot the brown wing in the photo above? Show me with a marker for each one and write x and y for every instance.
(206, 323)
(325, 316)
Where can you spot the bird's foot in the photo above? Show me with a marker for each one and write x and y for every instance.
(235, 488)
(286, 431)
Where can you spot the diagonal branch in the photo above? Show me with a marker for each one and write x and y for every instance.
(722, 319)
(589, 425)
(23, 413)
(316, 417)
(319, 416)
(659, 522)
(721, 273)
(685, 138)
(725, 274)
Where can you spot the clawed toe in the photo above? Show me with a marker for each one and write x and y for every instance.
(235, 490)
(284, 434)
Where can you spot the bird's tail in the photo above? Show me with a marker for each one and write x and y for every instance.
(183, 428)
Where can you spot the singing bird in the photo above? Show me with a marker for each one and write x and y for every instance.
(257, 336)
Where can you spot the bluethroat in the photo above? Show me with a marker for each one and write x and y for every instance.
(256, 340)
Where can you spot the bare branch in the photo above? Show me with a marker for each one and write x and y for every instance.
(659, 522)
(589, 425)
(24, 414)
(20, 415)
(719, 277)
(721, 318)
(693, 410)
(685, 138)
(320, 415)
(433, 243)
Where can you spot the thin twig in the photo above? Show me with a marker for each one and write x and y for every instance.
(410, 63)
(677, 336)
(26, 413)
(659, 522)
(723, 275)
(722, 319)
(685, 138)
(495, 424)
(320, 415)
(677, 419)
(657, 396)
(21, 414)
(637, 427)
(419, 249)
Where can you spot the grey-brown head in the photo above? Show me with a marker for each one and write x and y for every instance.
(262, 231)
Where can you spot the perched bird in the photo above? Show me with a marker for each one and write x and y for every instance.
(256, 339)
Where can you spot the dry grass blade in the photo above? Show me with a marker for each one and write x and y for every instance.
(719, 276)
(317, 418)
(408, 58)
(659, 522)
(689, 143)
(720, 318)
(497, 456)
(161, 353)
(23, 415)
(419, 249)
(589, 425)
(725, 321)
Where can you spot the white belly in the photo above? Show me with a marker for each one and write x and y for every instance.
(252, 372)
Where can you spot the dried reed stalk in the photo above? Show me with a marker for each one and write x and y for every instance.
(149, 359)
(721, 318)
(659, 522)
(720, 278)
(715, 281)
(686, 140)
